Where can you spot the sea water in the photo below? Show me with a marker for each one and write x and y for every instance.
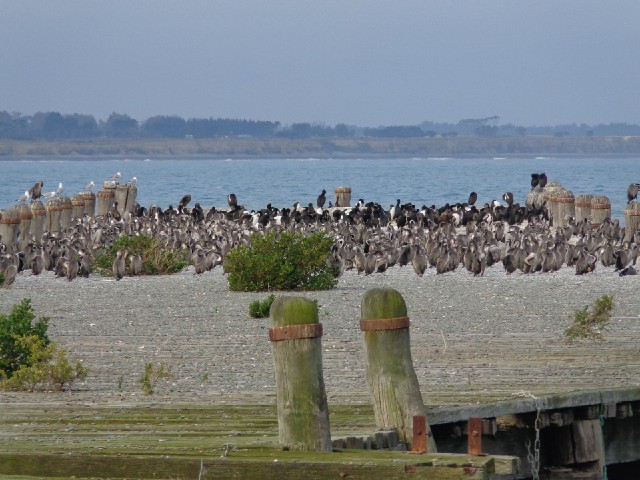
(282, 182)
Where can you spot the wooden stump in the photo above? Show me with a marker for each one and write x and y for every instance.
(343, 197)
(600, 210)
(392, 379)
(303, 413)
(631, 221)
(583, 207)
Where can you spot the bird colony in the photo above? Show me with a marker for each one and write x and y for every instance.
(370, 239)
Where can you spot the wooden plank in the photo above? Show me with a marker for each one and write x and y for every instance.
(419, 444)
(474, 436)
(589, 444)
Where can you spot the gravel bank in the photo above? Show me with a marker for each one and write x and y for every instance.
(474, 340)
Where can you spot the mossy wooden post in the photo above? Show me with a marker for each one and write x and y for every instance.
(66, 213)
(106, 197)
(54, 210)
(303, 412)
(9, 227)
(394, 385)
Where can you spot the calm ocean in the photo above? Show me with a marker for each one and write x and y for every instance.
(281, 182)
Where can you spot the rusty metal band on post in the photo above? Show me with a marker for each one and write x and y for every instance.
(562, 199)
(384, 324)
(295, 332)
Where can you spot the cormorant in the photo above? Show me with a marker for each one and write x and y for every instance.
(322, 198)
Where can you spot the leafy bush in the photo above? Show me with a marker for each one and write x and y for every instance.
(156, 259)
(282, 261)
(48, 367)
(19, 323)
(590, 324)
(260, 309)
(152, 375)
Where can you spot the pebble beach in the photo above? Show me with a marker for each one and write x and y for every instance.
(474, 340)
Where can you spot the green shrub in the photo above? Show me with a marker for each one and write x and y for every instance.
(48, 367)
(19, 323)
(590, 324)
(260, 309)
(152, 375)
(282, 261)
(156, 259)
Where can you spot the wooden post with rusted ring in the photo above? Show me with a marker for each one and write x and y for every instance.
(392, 379)
(303, 412)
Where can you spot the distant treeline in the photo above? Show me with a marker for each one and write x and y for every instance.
(58, 126)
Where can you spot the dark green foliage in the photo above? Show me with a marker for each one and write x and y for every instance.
(156, 259)
(1, 278)
(282, 261)
(590, 324)
(19, 323)
(260, 309)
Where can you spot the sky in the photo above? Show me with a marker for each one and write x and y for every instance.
(365, 63)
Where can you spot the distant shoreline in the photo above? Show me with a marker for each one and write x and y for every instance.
(350, 147)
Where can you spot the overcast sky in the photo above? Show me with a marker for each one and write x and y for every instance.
(367, 63)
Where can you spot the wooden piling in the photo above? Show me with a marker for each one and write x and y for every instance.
(583, 207)
(392, 379)
(25, 225)
(600, 210)
(131, 198)
(343, 197)
(77, 203)
(106, 197)
(303, 412)
(38, 219)
(9, 227)
(631, 221)
(66, 213)
(54, 209)
(89, 203)
(535, 198)
(561, 204)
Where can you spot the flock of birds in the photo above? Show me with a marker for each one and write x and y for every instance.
(368, 238)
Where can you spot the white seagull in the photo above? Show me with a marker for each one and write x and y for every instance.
(116, 176)
(90, 186)
(23, 198)
(60, 189)
(133, 182)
